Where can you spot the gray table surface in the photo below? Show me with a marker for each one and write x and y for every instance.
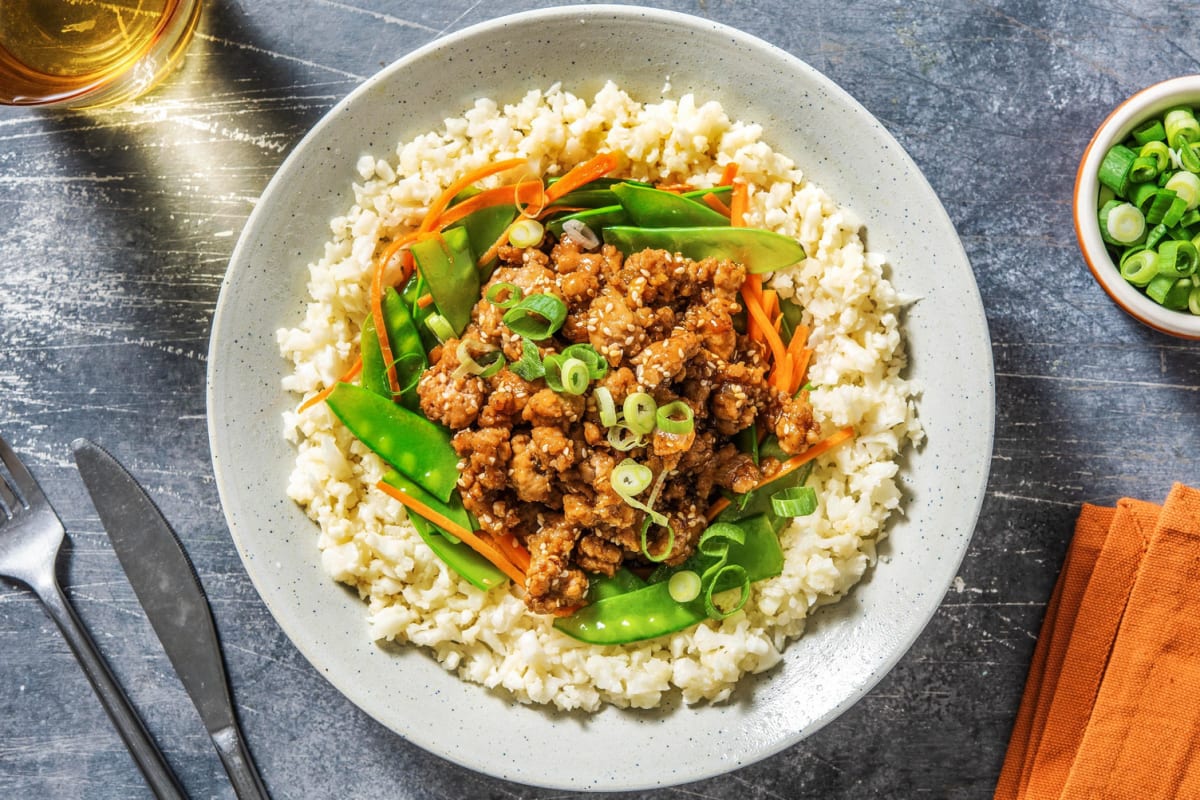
(119, 227)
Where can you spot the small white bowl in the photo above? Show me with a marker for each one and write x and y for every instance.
(1146, 103)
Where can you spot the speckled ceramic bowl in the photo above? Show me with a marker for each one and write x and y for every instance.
(849, 646)
(1124, 118)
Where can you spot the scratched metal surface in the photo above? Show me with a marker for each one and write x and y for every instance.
(118, 228)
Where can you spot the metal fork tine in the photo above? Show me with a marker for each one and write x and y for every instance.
(26, 485)
(9, 504)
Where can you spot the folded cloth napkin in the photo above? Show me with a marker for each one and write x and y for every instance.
(1111, 708)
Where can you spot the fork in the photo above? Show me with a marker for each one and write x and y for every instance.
(30, 536)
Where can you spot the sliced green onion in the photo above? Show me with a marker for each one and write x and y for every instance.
(721, 575)
(630, 478)
(1156, 235)
(581, 234)
(504, 294)
(1177, 259)
(1194, 300)
(795, 501)
(526, 232)
(1159, 152)
(684, 586)
(605, 406)
(536, 316)
(440, 327)
(640, 408)
(552, 366)
(1187, 186)
(1121, 223)
(597, 365)
(574, 376)
(1151, 130)
(1139, 267)
(728, 573)
(670, 545)
(1189, 156)
(1181, 126)
(675, 417)
(1114, 169)
(623, 439)
(485, 366)
(1168, 292)
(1144, 168)
(530, 366)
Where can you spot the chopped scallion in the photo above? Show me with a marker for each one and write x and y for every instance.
(675, 417)
(640, 409)
(504, 295)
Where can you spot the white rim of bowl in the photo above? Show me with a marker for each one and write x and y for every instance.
(1116, 126)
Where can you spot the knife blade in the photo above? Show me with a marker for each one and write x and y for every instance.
(168, 588)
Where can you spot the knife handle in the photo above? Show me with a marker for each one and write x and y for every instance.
(145, 752)
(231, 747)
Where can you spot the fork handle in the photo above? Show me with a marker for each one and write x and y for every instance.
(145, 752)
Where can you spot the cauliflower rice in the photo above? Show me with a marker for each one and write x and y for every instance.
(490, 638)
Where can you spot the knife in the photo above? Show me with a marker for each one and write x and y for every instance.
(168, 588)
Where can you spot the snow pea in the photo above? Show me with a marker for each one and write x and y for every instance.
(407, 350)
(650, 611)
(758, 501)
(418, 448)
(476, 569)
(448, 267)
(653, 208)
(483, 228)
(757, 250)
(616, 214)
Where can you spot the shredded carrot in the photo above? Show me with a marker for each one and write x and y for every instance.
(715, 203)
(580, 174)
(525, 192)
(798, 355)
(350, 375)
(754, 308)
(513, 550)
(425, 301)
(800, 370)
(781, 376)
(485, 549)
(728, 174)
(770, 304)
(442, 201)
(819, 449)
(739, 201)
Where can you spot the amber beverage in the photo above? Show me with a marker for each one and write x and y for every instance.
(85, 53)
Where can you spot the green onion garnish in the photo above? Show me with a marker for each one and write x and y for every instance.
(504, 294)
(796, 501)
(1181, 126)
(1139, 266)
(640, 409)
(1121, 223)
(1177, 259)
(597, 365)
(675, 417)
(536, 316)
(440, 327)
(605, 406)
(1114, 169)
(630, 478)
(526, 232)
(623, 439)
(684, 586)
(574, 376)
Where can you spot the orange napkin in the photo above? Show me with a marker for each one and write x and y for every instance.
(1112, 705)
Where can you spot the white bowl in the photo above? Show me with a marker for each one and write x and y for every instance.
(1124, 118)
(849, 646)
